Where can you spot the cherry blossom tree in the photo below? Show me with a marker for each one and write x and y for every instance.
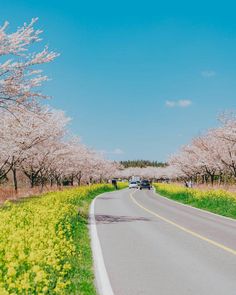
(228, 129)
(210, 156)
(20, 136)
(19, 76)
(32, 137)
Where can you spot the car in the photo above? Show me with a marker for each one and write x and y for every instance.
(138, 182)
(145, 184)
(133, 184)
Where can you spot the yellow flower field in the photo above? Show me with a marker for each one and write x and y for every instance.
(39, 253)
(218, 201)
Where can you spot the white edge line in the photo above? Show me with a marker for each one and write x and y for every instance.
(102, 280)
(185, 205)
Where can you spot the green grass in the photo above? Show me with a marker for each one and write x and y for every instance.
(217, 201)
(83, 277)
(84, 264)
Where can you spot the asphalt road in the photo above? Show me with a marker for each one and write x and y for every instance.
(155, 246)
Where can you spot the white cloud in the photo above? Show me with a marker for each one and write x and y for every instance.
(208, 73)
(182, 103)
(170, 103)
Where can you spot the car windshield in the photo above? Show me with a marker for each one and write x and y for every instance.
(133, 182)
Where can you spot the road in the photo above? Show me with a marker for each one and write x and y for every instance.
(154, 246)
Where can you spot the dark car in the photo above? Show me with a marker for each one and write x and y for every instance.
(145, 184)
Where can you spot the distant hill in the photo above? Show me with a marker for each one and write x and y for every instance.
(142, 163)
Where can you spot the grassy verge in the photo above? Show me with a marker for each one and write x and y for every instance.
(217, 201)
(45, 245)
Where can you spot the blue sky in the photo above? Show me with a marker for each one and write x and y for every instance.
(139, 78)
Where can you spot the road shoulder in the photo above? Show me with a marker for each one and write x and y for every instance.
(101, 277)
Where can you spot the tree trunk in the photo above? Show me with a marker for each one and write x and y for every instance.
(58, 182)
(212, 179)
(203, 179)
(220, 179)
(32, 180)
(79, 176)
(15, 179)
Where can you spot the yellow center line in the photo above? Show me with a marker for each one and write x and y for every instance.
(227, 249)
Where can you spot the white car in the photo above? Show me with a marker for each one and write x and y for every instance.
(133, 184)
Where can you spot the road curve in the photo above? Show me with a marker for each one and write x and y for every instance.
(154, 246)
